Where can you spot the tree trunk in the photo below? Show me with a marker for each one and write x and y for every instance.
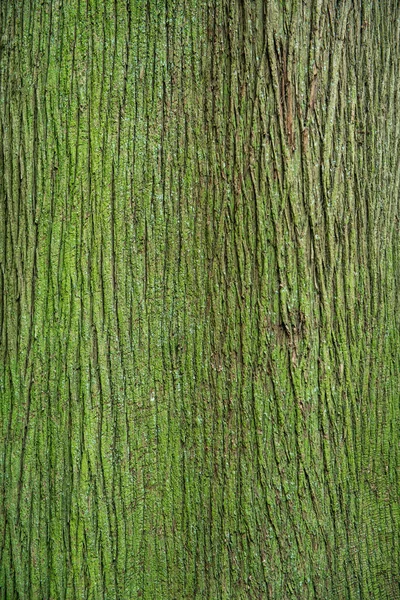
(200, 316)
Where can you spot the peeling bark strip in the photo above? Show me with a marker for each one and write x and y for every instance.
(200, 317)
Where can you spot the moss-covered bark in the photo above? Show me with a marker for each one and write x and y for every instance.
(199, 272)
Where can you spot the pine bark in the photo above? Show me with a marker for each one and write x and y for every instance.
(199, 287)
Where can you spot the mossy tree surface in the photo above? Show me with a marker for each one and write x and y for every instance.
(200, 314)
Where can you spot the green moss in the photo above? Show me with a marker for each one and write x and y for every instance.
(199, 315)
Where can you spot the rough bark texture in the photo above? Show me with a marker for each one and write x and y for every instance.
(200, 314)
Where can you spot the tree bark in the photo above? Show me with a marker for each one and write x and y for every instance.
(199, 384)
